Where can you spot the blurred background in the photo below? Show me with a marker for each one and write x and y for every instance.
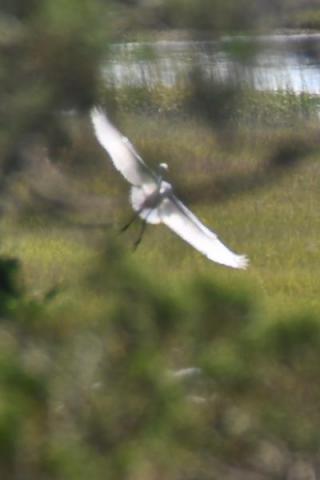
(159, 364)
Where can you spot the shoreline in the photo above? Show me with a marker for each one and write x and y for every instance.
(164, 35)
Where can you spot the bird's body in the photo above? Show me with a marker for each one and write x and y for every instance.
(153, 199)
(147, 204)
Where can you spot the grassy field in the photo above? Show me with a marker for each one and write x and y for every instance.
(277, 225)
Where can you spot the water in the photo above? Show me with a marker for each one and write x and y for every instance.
(271, 62)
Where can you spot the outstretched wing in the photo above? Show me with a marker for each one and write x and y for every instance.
(184, 223)
(122, 153)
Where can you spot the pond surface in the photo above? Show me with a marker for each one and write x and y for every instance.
(271, 62)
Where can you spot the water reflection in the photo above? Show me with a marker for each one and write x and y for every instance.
(275, 62)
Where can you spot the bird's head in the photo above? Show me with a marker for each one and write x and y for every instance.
(163, 168)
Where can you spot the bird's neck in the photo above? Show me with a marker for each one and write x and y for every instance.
(159, 182)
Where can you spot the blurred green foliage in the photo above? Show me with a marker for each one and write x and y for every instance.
(218, 15)
(50, 52)
(99, 394)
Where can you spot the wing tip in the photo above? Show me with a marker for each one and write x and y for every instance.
(101, 124)
(241, 261)
(96, 113)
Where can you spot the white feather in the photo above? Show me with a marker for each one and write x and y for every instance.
(185, 224)
(137, 198)
(122, 153)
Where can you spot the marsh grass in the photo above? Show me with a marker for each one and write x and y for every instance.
(276, 225)
(306, 19)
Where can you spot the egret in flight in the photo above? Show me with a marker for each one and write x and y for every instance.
(153, 199)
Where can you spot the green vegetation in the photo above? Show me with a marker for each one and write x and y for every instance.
(85, 361)
(92, 334)
(306, 19)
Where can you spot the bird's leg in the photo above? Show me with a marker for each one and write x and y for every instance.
(142, 230)
(132, 219)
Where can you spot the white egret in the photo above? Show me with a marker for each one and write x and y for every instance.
(153, 199)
